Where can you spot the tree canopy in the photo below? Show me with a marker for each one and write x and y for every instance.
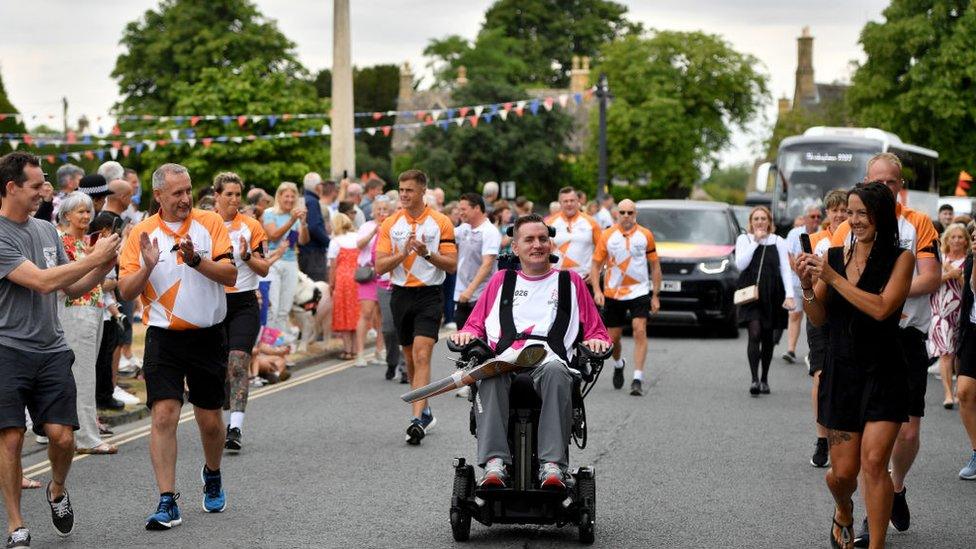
(551, 32)
(918, 79)
(220, 57)
(676, 98)
(9, 124)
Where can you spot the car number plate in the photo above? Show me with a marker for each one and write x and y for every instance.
(670, 285)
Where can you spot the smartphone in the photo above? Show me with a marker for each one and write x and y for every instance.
(805, 243)
(118, 225)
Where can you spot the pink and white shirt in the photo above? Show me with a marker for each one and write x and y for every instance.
(534, 311)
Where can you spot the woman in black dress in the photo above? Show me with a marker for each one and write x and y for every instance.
(858, 291)
(761, 257)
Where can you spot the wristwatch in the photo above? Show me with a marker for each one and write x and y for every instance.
(427, 256)
(194, 261)
(246, 256)
(803, 292)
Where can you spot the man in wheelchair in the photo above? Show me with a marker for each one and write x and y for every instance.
(535, 305)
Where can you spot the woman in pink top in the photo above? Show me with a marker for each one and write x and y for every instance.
(369, 309)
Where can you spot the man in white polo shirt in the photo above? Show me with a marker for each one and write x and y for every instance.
(478, 242)
(178, 262)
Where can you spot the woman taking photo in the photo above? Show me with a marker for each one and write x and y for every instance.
(81, 320)
(859, 291)
(761, 257)
(343, 258)
(944, 330)
(369, 314)
(285, 225)
(243, 320)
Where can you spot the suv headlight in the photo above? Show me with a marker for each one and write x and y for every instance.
(714, 267)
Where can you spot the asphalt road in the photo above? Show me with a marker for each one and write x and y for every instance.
(696, 462)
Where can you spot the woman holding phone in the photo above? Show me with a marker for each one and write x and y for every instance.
(286, 228)
(858, 291)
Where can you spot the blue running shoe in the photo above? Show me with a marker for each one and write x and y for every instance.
(167, 514)
(427, 420)
(214, 500)
(969, 471)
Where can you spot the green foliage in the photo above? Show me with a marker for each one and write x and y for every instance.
(492, 57)
(550, 32)
(527, 150)
(219, 57)
(728, 184)
(919, 78)
(175, 43)
(677, 97)
(8, 124)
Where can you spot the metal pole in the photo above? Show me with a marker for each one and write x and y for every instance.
(64, 119)
(602, 92)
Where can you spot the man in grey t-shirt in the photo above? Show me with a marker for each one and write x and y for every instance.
(35, 360)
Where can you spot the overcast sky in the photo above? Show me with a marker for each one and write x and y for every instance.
(68, 47)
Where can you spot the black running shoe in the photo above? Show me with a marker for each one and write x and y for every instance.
(234, 441)
(754, 388)
(415, 432)
(901, 517)
(764, 387)
(635, 388)
(821, 457)
(789, 356)
(618, 375)
(62, 515)
(864, 538)
(19, 538)
(391, 372)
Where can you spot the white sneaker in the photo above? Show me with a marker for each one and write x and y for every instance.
(381, 356)
(124, 396)
(360, 362)
(129, 365)
(371, 333)
(450, 326)
(41, 439)
(936, 370)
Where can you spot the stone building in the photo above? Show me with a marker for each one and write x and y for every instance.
(808, 95)
(409, 99)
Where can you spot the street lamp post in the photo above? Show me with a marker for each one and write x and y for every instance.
(603, 95)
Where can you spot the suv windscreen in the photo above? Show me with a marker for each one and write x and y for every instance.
(688, 225)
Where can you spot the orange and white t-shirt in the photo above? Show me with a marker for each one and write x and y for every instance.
(178, 297)
(433, 228)
(253, 233)
(575, 240)
(628, 254)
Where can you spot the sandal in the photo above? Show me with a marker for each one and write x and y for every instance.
(846, 531)
(29, 484)
(102, 449)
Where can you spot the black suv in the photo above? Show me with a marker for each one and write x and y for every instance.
(695, 241)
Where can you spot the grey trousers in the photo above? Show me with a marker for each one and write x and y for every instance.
(83, 332)
(389, 335)
(554, 384)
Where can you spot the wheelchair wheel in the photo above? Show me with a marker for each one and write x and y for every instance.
(460, 517)
(586, 494)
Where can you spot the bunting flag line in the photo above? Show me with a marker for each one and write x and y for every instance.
(243, 120)
(175, 138)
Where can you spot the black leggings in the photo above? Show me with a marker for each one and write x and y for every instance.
(760, 348)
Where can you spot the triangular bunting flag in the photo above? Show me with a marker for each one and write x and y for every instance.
(116, 130)
(463, 111)
(151, 145)
(325, 130)
(207, 141)
(435, 114)
(191, 142)
(72, 138)
(459, 121)
(377, 115)
(225, 119)
(174, 134)
(563, 99)
(194, 120)
(139, 146)
(237, 139)
(386, 130)
(474, 120)
(241, 120)
(547, 103)
(76, 156)
(478, 110)
(50, 159)
(125, 150)
(371, 131)
(256, 118)
(90, 155)
(578, 97)
(503, 113)
(534, 106)
(28, 140)
(13, 144)
(272, 120)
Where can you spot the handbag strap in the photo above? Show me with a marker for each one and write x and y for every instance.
(761, 259)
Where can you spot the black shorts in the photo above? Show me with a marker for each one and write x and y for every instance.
(917, 358)
(197, 358)
(416, 312)
(619, 313)
(967, 352)
(42, 383)
(243, 321)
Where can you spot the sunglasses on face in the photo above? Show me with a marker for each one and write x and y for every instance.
(624, 212)
(817, 216)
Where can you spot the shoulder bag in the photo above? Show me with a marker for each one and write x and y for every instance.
(750, 293)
